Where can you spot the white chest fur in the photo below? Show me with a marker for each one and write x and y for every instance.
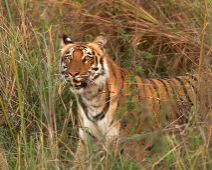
(96, 117)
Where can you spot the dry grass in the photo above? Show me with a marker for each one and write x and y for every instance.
(153, 38)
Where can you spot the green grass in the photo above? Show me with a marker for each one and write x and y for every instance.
(154, 38)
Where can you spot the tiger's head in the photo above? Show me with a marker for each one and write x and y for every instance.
(82, 63)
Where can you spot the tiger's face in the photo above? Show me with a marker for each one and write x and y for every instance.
(82, 63)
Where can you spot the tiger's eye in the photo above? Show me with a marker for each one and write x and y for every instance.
(87, 58)
(67, 59)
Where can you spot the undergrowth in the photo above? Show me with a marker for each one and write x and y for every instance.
(151, 38)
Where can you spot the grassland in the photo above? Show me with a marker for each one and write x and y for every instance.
(152, 38)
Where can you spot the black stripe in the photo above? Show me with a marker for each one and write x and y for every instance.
(102, 73)
(147, 84)
(96, 58)
(184, 89)
(85, 109)
(164, 84)
(111, 122)
(152, 91)
(160, 100)
(101, 61)
(169, 97)
(101, 115)
(144, 88)
(174, 90)
(67, 52)
(102, 64)
(95, 68)
(103, 70)
(179, 107)
(193, 77)
(155, 87)
(183, 108)
(63, 72)
(91, 135)
(191, 84)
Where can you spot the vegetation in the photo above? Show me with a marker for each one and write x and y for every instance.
(152, 38)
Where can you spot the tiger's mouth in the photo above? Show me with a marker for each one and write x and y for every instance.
(77, 83)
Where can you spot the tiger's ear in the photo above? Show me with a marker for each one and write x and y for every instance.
(65, 40)
(100, 41)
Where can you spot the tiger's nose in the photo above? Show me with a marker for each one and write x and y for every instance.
(73, 73)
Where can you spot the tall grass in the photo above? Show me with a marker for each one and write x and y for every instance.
(153, 38)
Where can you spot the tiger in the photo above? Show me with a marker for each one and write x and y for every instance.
(114, 102)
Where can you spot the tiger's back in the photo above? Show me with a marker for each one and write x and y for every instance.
(156, 103)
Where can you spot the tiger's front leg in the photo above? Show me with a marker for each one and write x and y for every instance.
(82, 151)
(80, 156)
